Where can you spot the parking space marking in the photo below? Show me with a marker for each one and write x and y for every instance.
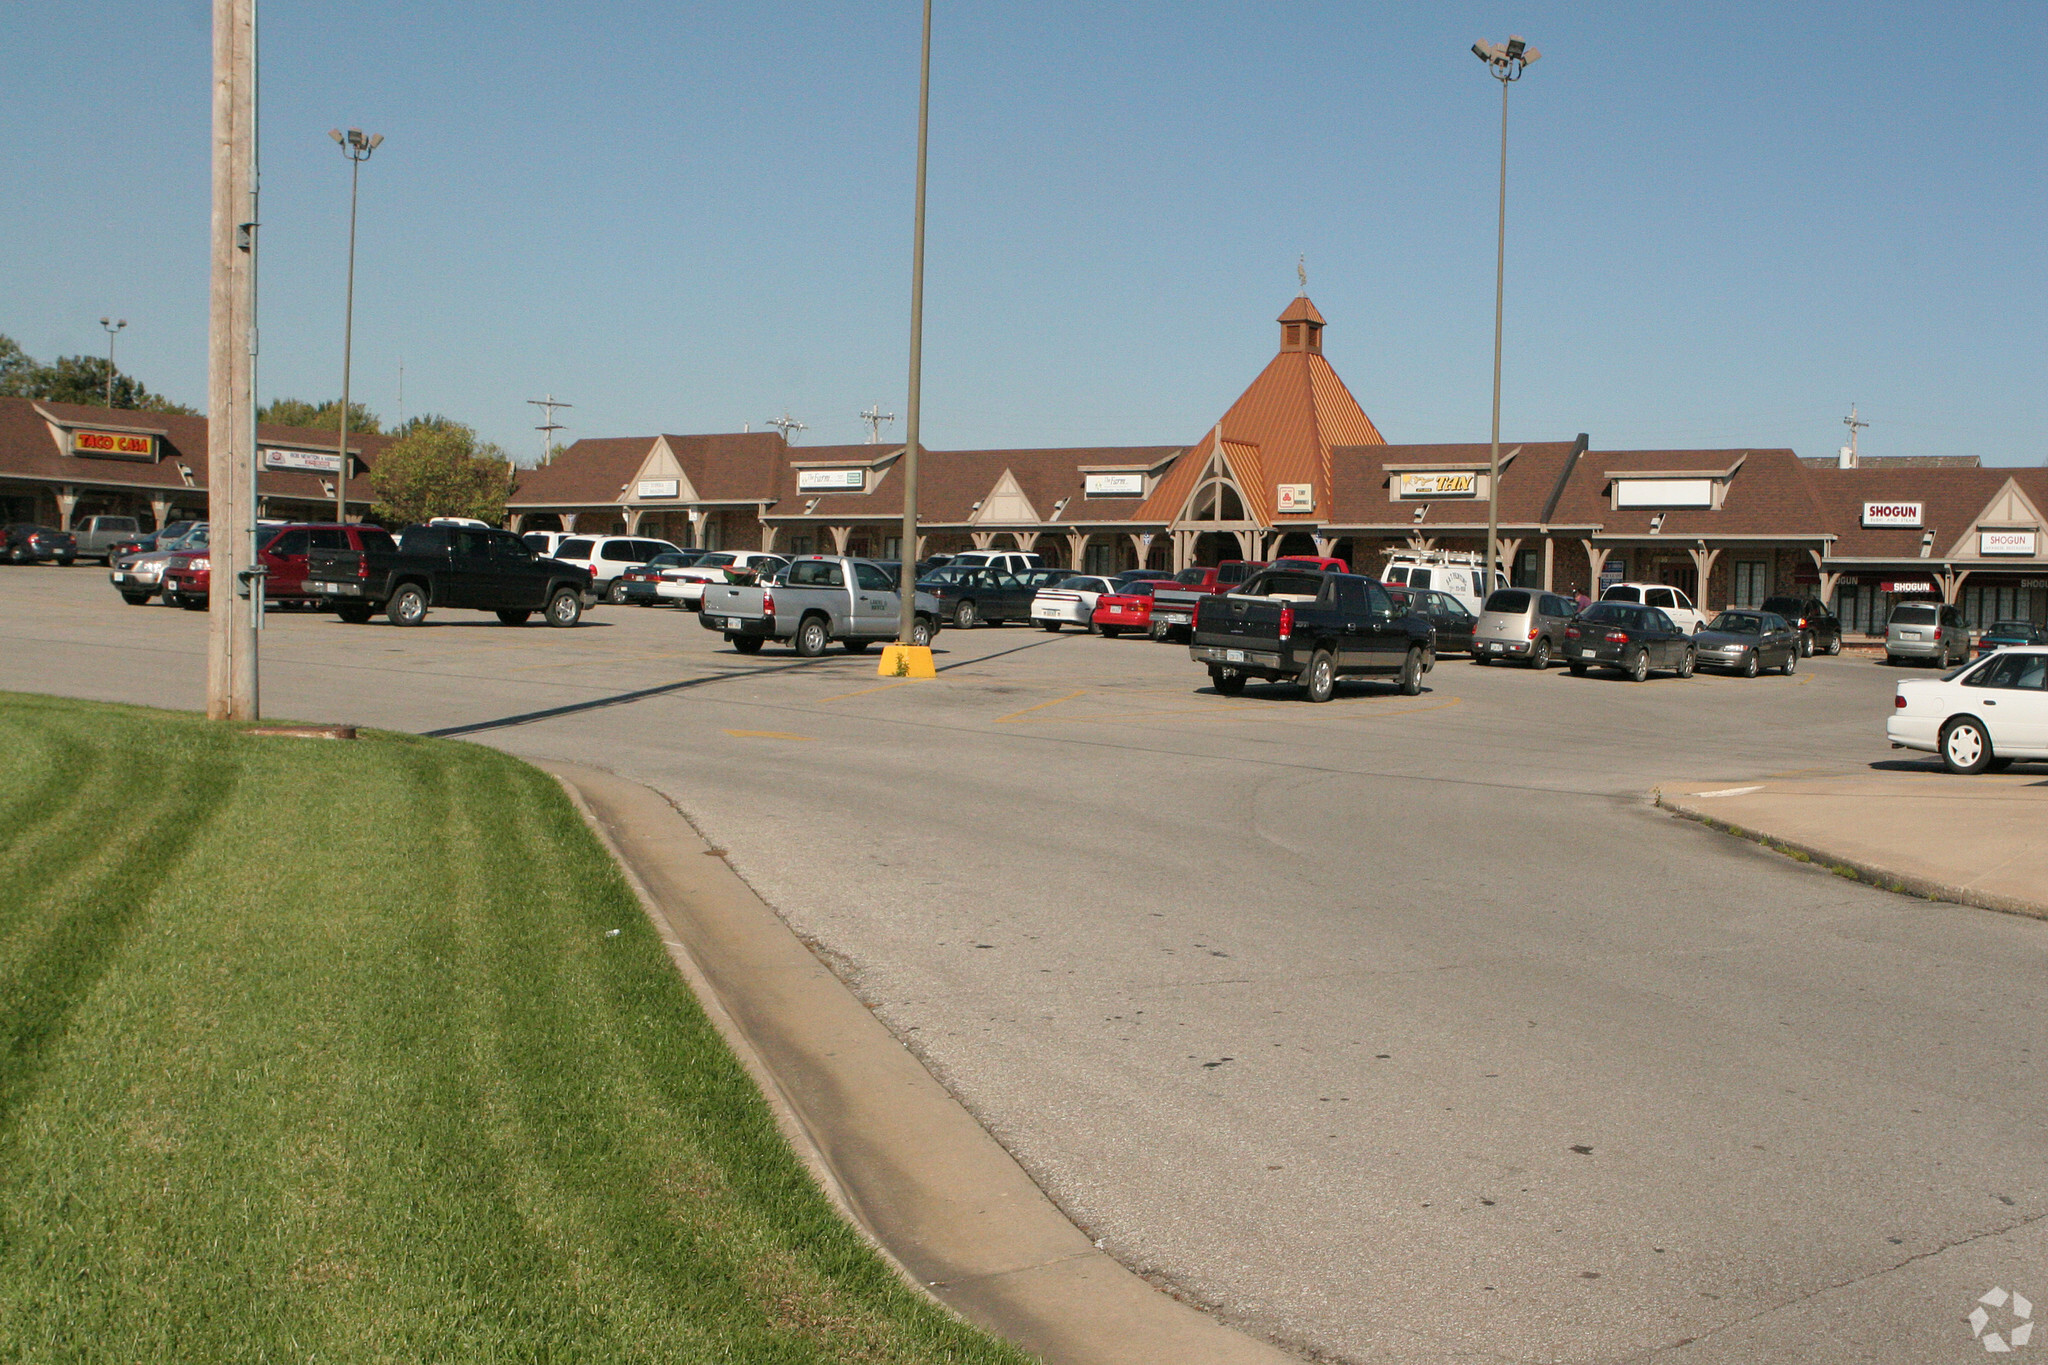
(1725, 791)
(1000, 720)
(770, 734)
(869, 691)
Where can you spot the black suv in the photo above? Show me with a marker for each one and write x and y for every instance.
(1818, 629)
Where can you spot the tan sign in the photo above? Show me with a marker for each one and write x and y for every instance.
(1297, 497)
(2005, 542)
(1438, 484)
(657, 488)
(114, 445)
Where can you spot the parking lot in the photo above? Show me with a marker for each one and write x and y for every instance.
(1397, 1027)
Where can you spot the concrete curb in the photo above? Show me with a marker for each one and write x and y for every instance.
(903, 1159)
(1885, 879)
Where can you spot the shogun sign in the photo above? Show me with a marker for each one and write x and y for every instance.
(1891, 514)
(2005, 543)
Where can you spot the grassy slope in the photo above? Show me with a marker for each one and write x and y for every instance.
(326, 1051)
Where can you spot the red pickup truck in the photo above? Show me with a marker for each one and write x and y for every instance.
(1173, 604)
(187, 582)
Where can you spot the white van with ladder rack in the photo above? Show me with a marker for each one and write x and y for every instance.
(1454, 573)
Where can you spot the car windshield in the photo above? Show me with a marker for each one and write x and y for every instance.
(2020, 628)
(1784, 606)
(1141, 588)
(1508, 600)
(1191, 576)
(667, 561)
(1915, 614)
(1621, 593)
(1736, 624)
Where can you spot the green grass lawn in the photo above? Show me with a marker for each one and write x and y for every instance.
(320, 1051)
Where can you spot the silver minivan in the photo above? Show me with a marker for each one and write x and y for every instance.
(1926, 630)
(1524, 624)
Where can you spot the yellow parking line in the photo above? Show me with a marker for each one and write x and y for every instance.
(1041, 706)
(769, 734)
(866, 691)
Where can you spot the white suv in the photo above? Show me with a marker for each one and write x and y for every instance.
(606, 557)
(1669, 600)
(1007, 561)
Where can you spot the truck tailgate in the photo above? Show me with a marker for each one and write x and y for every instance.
(1240, 622)
(739, 601)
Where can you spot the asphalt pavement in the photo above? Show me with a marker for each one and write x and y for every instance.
(1394, 1029)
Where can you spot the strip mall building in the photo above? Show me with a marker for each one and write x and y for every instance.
(1294, 466)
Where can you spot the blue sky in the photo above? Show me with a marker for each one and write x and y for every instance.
(1725, 223)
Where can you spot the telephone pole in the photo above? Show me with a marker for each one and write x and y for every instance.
(1855, 425)
(549, 426)
(231, 678)
(789, 426)
(874, 417)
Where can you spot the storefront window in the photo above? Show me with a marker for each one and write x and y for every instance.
(1984, 603)
(1752, 582)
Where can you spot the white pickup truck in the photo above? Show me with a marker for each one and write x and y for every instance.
(820, 599)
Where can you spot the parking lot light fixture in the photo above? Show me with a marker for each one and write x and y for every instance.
(906, 656)
(1505, 62)
(113, 328)
(356, 145)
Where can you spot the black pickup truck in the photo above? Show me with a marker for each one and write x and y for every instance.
(1296, 625)
(449, 566)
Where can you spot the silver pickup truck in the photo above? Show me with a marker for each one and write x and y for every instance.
(821, 598)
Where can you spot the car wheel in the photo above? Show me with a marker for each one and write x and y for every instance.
(1639, 667)
(62, 562)
(1578, 670)
(921, 633)
(1806, 644)
(1478, 658)
(408, 606)
(135, 599)
(1539, 658)
(17, 555)
(1891, 660)
(1965, 748)
(1052, 627)
(514, 618)
(746, 644)
(1228, 681)
(565, 607)
(1411, 674)
(194, 603)
(963, 616)
(1319, 682)
(856, 646)
(1835, 644)
(1686, 663)
(1791, 663)
(1751, 666)
(354, 614)
(616, 593)
(811, 638)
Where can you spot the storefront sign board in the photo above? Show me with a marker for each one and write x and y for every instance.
(831, 480)
(302, 461)
(2005, 543)
(1113, 485)
(1297, 497)
(1440, 484)
(1891, 513)
(113, 445)
(657, 488)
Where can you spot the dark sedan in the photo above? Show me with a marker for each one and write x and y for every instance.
(27, 543)
(1452, 620)
(2006, 634)
(1748, 642)
(1635, 639)
(969, 596)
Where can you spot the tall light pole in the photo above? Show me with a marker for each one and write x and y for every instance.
(907, 584)
(113, 329)
(357, 146)
(1505, 63)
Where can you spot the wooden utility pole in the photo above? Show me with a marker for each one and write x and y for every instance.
(231, 692)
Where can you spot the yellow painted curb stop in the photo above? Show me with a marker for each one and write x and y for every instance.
(906, 661)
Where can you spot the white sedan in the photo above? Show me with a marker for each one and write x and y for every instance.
(1069, 602)
(686, 586)
(1982, 716)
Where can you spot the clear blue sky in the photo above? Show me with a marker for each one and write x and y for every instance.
(1725, 223)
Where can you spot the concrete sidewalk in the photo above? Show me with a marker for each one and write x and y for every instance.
(899, 1155)
(1904, 825)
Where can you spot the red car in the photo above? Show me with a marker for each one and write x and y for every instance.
(1128, 608)
(188, 581)
(1312, 563)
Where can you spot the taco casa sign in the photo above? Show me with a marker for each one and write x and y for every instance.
(113, 445)
(1891, 514)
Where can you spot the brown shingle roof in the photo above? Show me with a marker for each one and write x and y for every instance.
(1527, 482)
(1768, 495)
(950, 482)
(27, 450)
(1951, 501)
(589, 473)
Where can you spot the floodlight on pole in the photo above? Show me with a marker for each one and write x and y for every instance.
(356, 145)
(1505, 63)
(113, 328)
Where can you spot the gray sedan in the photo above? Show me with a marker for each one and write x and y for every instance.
(1747, 642)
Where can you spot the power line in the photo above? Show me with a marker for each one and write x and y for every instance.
(874, 417)
(788, 425)
(550, 426)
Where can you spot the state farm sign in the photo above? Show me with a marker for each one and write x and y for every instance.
(1891, 514)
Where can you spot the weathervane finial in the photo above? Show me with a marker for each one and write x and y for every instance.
(1301, 269)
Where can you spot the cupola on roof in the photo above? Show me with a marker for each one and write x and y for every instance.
(1301, 327)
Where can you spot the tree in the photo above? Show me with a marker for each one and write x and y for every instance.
(440, 471)
(78, 379)
(297, 412)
